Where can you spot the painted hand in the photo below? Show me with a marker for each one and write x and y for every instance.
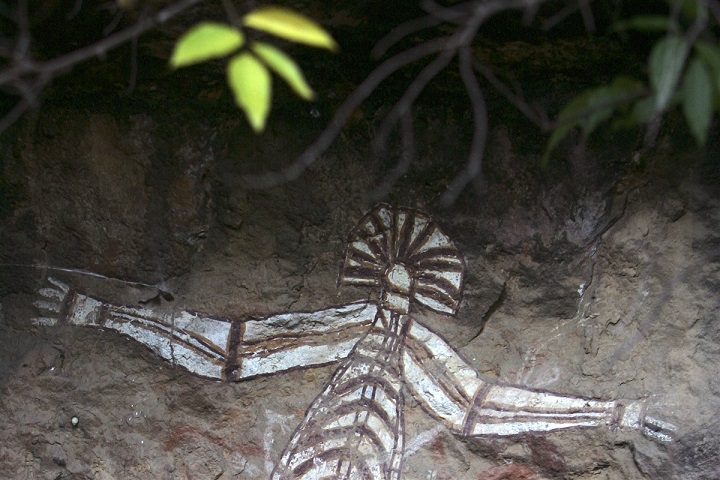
(658, 429)
(51, 302)
(63, 305)
(633, 416)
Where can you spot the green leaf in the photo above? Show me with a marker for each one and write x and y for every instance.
(284, 66)
(665, 65)
(290, 25)
(558, 134)
(711, 56)
(251, 84)
(205, 41)
(698, 99)
(591, 108)
(644, 110)
(603, 101)
(594, 105)
(577, 113)
(691, 9)
(644, 23)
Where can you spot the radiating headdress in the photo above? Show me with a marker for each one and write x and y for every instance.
(404, 252)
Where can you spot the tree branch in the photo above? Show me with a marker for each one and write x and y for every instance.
(23, 66)
(472, 14)
(342, 114)
(480, 122)
(536, 116)
(407, 156)
(403, 106)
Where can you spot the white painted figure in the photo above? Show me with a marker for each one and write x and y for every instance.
(354, 429)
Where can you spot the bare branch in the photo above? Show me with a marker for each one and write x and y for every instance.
(13, 115)
(75, 10)
(22, 46)
(453, 14)
(474, 14)
(539, 118)
(401, 32)
(530, 13)
(587, 15)
(561, 15)
(480, 121)
(403, 106)
(407, 156)
(133, 66)
(714, 7)
(359, 95)
(23, 67)
(119, 14)
(232, 13)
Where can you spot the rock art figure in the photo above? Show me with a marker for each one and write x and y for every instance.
(354, 429)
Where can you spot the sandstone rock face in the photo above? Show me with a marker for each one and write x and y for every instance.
(590, 284)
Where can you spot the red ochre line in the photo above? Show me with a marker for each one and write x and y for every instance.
(337, 454)
(419, 241)
(210, 350)
(264, 348)
(405, 235)
(447, 384)
(358, 406)
(314, 443)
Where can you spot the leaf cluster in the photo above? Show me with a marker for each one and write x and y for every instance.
(683, 69)
(251, 62)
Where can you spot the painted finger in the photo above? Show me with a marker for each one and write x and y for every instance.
(44, 321)
(50, 306)
(659, 429)
(52, 293)
(62, 286)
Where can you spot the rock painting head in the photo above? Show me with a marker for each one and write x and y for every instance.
(408, 257)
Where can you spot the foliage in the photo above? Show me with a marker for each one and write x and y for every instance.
(683, 69)
(248, 70)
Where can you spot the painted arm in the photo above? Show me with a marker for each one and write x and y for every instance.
(215, 347)
(452, 391)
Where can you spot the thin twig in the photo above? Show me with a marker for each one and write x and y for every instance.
(714, 8)
(22, 46)
(232, 13)
(77, 271)
(75, 10)
(478, 11)
(400, 32)
(132, 81)
(119, 14)
(342, 114)
(587, 15)
(407, 156)
(100, 48)
(561, 15)
(25, 67)
(13, 115)
(539, 118)
(411, 94)
(480, 122)
(453, 14)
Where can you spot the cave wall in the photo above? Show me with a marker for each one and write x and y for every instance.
(588, 280)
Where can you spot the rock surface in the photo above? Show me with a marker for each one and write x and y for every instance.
(589, 281)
